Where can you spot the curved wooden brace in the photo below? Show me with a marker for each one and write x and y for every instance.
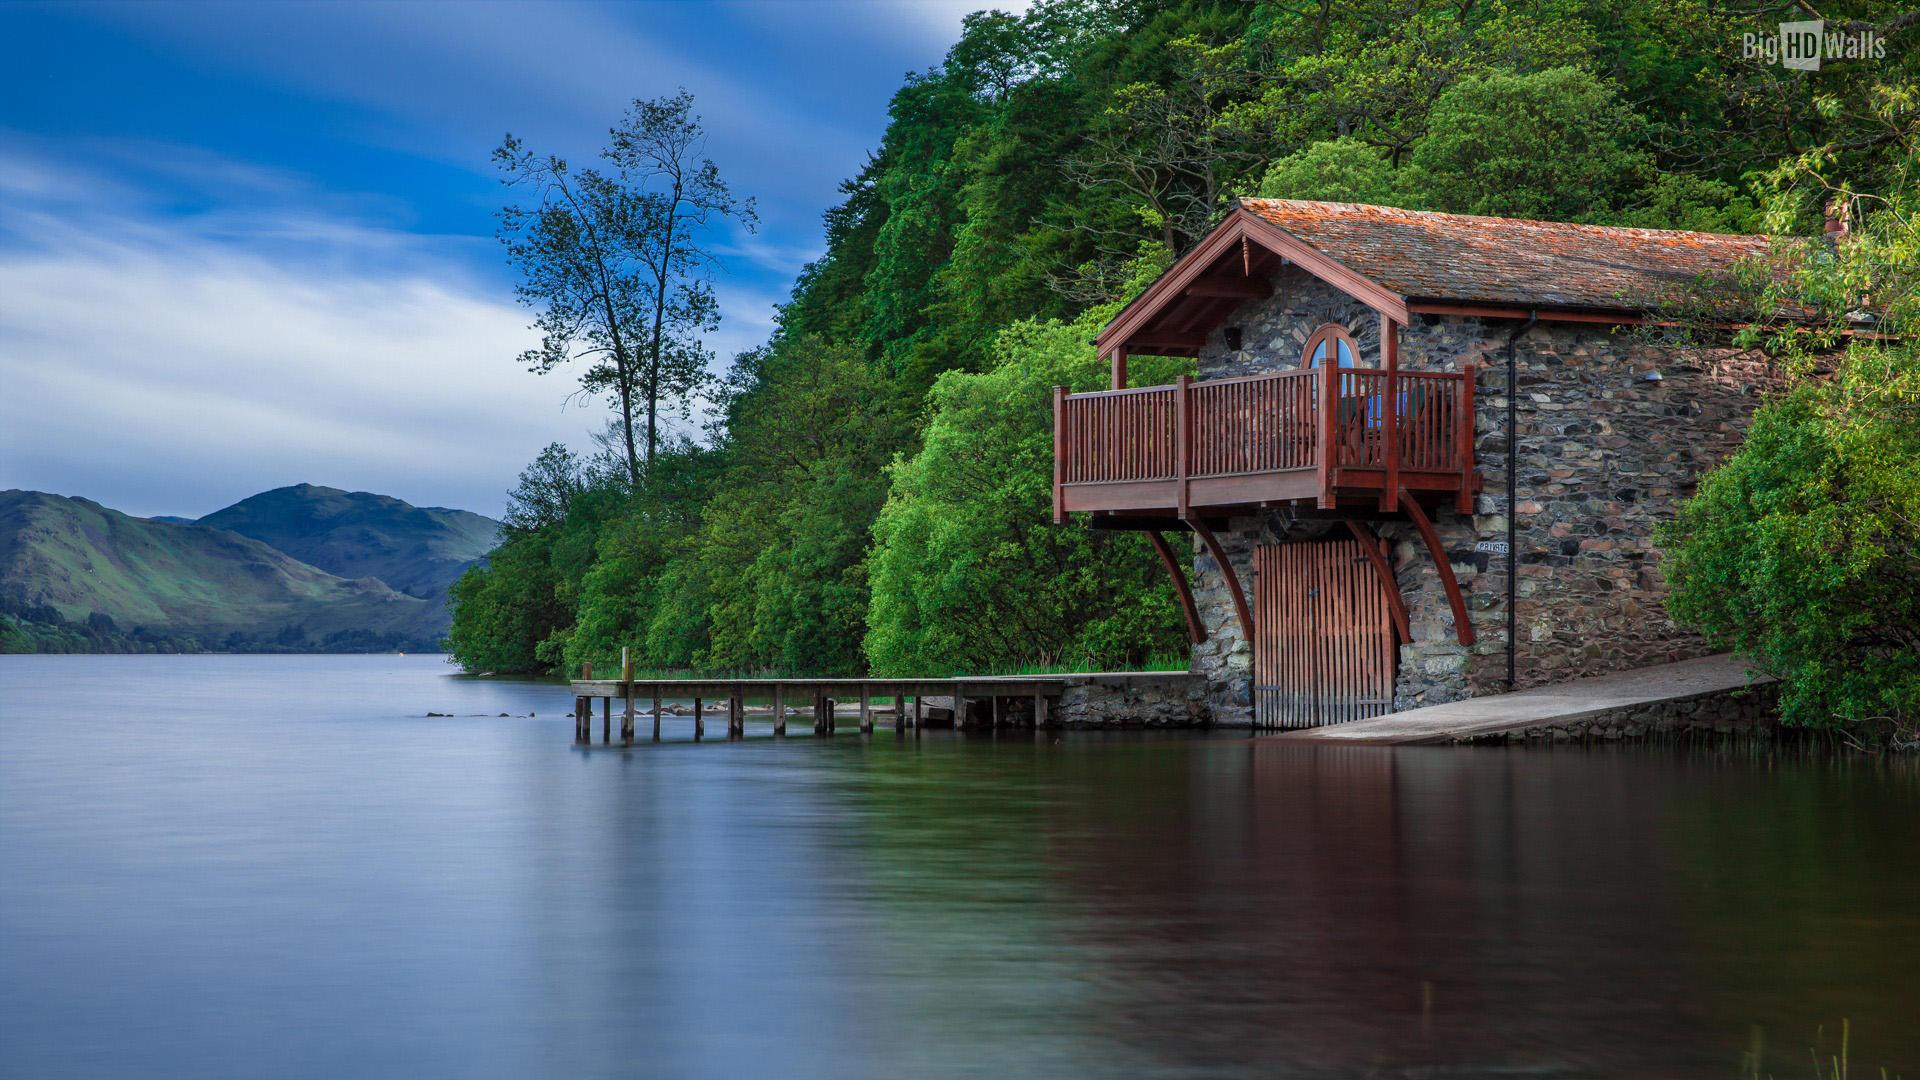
(1196, 630)
(1226, 573)
(1462, 629)
(1396, 604)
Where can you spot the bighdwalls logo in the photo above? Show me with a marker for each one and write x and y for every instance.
(1801, 46)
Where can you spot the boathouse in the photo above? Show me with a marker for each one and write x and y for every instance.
(1424, 455)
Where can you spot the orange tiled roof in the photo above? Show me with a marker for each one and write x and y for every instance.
(1425, 255)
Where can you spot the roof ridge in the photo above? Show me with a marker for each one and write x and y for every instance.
(1341, 208)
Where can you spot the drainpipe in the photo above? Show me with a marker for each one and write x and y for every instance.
(1513, 462)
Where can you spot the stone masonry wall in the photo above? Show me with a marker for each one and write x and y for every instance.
(1161, 699)
(1605, 454)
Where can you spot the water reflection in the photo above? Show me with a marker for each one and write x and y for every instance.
(283, 866)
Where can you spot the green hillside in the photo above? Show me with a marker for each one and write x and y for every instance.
(155, 579)
(418, 550)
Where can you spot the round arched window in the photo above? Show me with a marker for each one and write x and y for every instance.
(1331, 344)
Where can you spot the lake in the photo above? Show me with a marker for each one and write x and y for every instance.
(281, 866)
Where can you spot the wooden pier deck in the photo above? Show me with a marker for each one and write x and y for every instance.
(1003, 697)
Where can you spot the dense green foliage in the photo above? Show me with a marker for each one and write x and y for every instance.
(872, 493)
(1803, 551)
(968, 568)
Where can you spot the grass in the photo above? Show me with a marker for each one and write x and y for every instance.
(1835, 1067)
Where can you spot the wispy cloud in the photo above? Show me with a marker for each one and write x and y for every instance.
(161, 365)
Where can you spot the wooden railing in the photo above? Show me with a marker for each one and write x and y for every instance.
(1414, 422)
(1121, 435)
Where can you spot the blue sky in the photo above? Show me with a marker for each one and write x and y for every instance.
(244, 245)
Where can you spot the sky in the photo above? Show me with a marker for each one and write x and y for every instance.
(245, 245)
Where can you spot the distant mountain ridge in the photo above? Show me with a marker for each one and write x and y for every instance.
(418, 550)
(366, 571)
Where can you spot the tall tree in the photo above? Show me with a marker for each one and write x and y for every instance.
(617, 262)
(659, 147)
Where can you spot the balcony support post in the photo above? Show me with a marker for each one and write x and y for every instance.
(1390, 359)
(1119, 367)
(1227, 575)
(1462, 629)
(1396, 604)
(1196, 630)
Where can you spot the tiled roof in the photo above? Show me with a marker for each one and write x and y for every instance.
(1420, 254)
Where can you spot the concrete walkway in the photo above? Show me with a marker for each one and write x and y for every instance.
(1539, 707)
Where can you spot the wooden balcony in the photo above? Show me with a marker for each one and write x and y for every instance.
(1236, 444)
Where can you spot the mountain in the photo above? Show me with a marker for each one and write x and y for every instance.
(418, 550)
(94, 565)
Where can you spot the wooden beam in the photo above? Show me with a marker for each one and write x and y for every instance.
(1463, 498)
(1226, 573)
(1396, 604)
(1325, 267)
(1182, 441)
(1325, 431)
(1196, 630)
(1622, 318)
(1119, 374)
(1242, 224)
(1164, 339)
(1230, 288)
(1059, 451)
(1390, 359)
(1462, 629)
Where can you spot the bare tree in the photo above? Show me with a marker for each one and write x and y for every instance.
(617, 263)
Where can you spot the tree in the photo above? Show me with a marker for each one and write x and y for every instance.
(615, 262)
(1172, 153)
(968, 569)
(1802, 552)
(659, 145)
(1339, 170)
(1554, 145)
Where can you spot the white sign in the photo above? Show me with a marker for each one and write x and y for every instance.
(1800, 46)
(1498, 547)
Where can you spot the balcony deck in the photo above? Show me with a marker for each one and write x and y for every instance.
(1227, 445)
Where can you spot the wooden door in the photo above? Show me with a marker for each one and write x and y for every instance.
(1323, 650)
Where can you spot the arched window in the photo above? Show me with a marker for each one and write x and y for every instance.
(1330, 342)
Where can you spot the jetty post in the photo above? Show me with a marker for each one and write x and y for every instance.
(779, 712)
(866, 712)
(626, 682)
(656, 713)
(699, 720)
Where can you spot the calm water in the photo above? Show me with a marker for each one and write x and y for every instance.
(282, 867)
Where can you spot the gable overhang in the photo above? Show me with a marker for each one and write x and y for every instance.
(1231, 265)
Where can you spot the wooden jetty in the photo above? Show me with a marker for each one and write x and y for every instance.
(1002, 695)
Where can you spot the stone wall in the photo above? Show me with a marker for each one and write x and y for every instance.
(1153, 699)
(1605, 455)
